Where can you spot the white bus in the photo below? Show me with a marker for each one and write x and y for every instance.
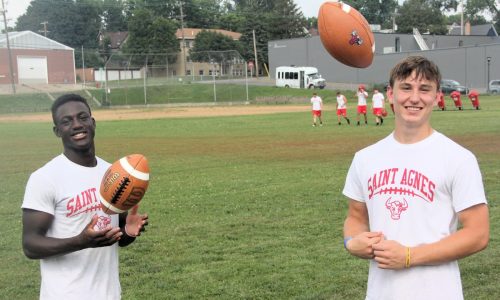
(299, 77)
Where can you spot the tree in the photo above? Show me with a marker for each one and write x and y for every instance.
(280, 19)
(73, 23)
(474, 9)
(114, 15)
(286, 21)
(208, 46)
(231, 21)
(168, 9)
(421, 14)
(262, 36)
(152, 37)
(202, 13)
(312, 22)
(376, 12)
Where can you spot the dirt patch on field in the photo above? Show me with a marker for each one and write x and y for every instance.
(158, 113)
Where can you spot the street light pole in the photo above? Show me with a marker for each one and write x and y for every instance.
(9, 52)
(488, 59)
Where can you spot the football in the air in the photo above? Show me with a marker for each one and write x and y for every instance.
(124, 184)
(346, 34)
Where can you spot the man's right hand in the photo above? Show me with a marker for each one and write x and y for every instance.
(361, 244)
(91, 238)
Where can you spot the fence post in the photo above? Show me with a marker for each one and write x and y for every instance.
(145, 74)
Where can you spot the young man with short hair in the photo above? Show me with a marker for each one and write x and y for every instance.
(342, 108)
(362, 95)
(409, 192)
(63, 223)
(378, 106)
(317, 106)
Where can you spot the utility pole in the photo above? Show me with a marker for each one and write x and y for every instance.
(255, 54)
(183, 40)
(83, 69)
(45, 23)
(462, 17)
(9, 54)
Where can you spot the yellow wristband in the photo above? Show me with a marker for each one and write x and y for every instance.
(408, 257)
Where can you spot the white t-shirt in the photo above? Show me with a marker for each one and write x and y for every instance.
(69, 192)
(378, 100)
(341, 102)
(316, 102)
(413, 194)
(362, 97)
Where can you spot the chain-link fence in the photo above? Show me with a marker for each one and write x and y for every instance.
(148, 79)
(197, 78)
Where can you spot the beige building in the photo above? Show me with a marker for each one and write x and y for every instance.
(184, 67)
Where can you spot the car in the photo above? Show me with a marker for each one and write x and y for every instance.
(494, 87)
(450, 85)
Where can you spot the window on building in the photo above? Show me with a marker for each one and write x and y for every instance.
(200, 72)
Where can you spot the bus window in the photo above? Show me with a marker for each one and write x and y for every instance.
(295, 75)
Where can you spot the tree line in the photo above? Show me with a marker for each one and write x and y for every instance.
(152, 24)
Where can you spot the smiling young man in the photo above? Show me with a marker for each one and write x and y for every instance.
(408, 193)
(63, 224)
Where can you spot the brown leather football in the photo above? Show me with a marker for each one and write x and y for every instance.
(346, 34)
(124, 184)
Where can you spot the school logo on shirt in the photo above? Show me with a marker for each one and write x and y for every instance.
(83, 202)
(102, 222)
(399, 186)
(396, 207)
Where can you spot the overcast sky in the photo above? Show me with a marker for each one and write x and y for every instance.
(309, 8)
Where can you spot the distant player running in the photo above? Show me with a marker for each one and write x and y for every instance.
(362, 95)
(378, 106)
(342, 108)
(441, 103)
(317, 106)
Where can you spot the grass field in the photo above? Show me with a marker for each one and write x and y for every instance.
(246, 207)
(162, 94)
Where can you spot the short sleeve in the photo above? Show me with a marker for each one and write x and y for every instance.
(353, 188)
(467, 184)
(39, 194)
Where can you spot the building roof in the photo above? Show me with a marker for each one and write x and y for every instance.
(190, 33)
(30, 40)
(485, 30)
(117, 38)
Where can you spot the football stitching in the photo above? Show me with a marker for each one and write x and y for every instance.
(400, 191)
(120, 190)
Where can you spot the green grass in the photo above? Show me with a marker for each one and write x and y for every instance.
(246, 207)
(171, 93)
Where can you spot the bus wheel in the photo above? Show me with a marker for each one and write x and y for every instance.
(286, 86)
(311, 86)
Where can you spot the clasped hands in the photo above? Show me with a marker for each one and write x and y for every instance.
(388, 254)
